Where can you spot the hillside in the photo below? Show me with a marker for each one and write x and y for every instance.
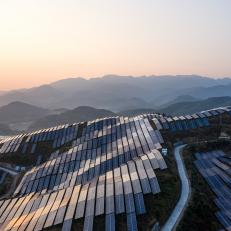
(79, 114)
(38, 96)
(21, 112)
(179, 99)
(106, 156)
(195, 106)
(212, 91)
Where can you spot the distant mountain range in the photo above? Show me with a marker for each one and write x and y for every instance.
(119, 93)
(61, 101)
(88, 113)
(21, 112)
(21, 116)
(178, 99)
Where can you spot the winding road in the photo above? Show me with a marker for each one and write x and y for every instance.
(181, 205)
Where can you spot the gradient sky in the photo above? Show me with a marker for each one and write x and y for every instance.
(46, 40)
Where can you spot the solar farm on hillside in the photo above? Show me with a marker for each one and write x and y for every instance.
(104, 167)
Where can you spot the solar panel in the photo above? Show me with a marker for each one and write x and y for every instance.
(101, 173)
(131, 222)
(45, 212)
(110, 222)
(81, 202)
(63, 206)
(17, 211)
(52, 214)
(28, 213)
(139, 203)
(151, 175)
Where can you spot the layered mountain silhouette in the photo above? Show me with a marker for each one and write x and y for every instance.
(21, 112)
(61, 102)
(79, 114)
(119, 93)
(195, 106)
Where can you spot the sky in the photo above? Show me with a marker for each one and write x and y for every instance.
(45, 40)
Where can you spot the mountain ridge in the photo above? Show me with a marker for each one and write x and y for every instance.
(196, 106)
(21, 112)
(127, 91)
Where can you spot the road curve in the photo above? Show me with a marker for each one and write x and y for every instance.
(181, 205)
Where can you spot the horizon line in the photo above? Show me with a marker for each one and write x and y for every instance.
(116, 75)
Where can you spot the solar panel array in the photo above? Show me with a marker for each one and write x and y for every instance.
(63, 134)
(187, 122)
(11, 144)
(27, 143)
(107, 171)
(107, 168)
(215, 167)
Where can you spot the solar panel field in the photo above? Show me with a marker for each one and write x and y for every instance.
(104, 167)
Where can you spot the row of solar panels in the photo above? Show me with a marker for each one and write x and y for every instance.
(107, 150)
(11, 144)
(109, 178)
(115, 192)
(202, 114)
(63, 134)
(124, 131)
(188, 122)
(58, 136)
(86, 159)
(180, 124)
(215, 167)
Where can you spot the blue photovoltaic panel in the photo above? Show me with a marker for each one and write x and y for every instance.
(110, 222)
(127, 148)
(131, 222)
(139, 203)
(214, 171)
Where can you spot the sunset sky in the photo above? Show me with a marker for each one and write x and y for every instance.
(45, 40)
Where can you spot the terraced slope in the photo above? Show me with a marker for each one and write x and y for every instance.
(102, 168)
(107, 171)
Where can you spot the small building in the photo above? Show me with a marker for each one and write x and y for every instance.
(224, 136)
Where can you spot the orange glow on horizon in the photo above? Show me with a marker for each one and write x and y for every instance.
(44, 41)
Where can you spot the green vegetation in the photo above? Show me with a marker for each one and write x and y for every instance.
(54, 228)
(18, 159)
(28, 159)
(160, 206)
(200, 214)
(6, 185)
